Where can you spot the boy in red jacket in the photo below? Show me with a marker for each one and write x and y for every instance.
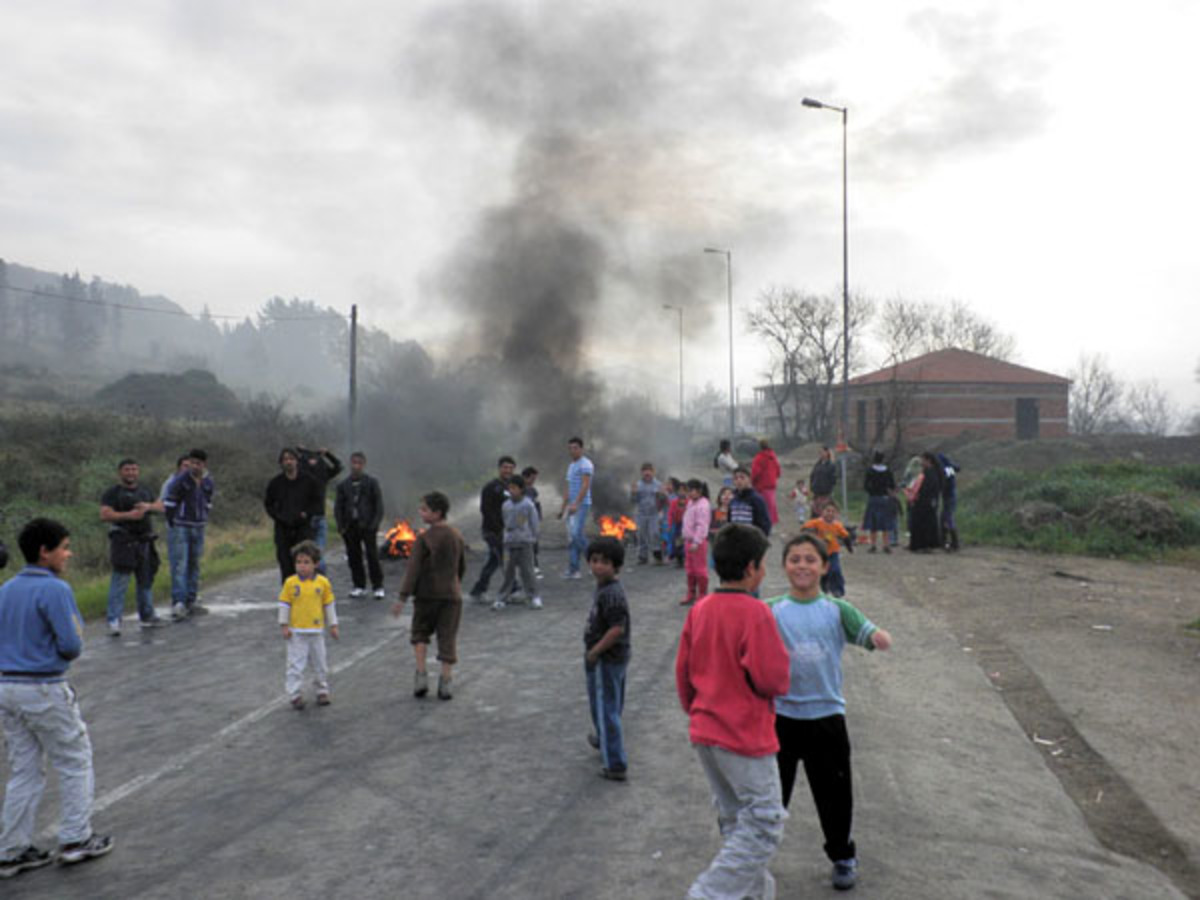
(731, 666)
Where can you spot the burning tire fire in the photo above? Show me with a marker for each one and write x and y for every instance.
(398, 542)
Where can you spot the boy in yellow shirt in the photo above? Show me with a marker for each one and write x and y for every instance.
(305, 605)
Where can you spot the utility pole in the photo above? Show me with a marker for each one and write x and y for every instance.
(353, 377)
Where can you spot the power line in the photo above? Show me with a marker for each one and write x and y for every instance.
(41, 292)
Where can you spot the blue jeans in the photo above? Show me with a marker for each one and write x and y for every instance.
(495, 545)
(833, 582)
(606, 697)
(185, 546)
(320, 531)
(144, 576)
(576, 528)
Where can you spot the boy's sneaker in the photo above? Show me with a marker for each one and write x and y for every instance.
(845, 874)
(535, 603)
(80, 851)
(29, 858)
(298, 702)
(614, 774)
(114, 629)
(420, 684)
(178, 612)
(444, 692)
(537, 573)
(499, 605)
(357, 592)
(380, 593)
(323, 698)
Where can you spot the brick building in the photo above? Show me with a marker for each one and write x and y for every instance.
(952, 392)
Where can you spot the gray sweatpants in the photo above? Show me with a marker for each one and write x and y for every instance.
(648, 540)
(37, 718)
(518, 559)
(303, 646)
(750, 815)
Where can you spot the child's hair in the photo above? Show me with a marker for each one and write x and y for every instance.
(674, 483)
(437, 502)
(608, 548)
(742, 470)
(309, 549)
(527, 471)
(829, 504)
(517, 481)
(735, 547)
(647, 467)
(695, 484)
(807, 537)
(39, 533)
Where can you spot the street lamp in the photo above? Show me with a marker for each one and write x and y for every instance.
(679, 309)
(729, 273)
(845, 425)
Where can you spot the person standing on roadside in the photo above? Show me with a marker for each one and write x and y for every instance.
(323, 467)
(41, 631)
(358, 510)
(764, 477)
(725, 462)
(491, 506)
(822, 480)
(126, 508)
(291, 497)
(189, 498)
(577, 503)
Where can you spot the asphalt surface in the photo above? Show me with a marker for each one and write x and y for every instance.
(212, 786)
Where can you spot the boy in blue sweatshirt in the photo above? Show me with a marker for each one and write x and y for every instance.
(41, 631)
(521, 526)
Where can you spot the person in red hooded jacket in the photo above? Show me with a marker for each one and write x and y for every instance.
(764, 476)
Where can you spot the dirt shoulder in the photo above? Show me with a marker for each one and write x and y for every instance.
(1093, 660)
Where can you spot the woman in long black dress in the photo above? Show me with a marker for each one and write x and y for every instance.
(923, 505)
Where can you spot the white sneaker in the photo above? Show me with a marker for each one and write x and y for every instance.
(571, 576)
(537, 573)
(357, 592)
(380, 593)
(114, 628)
(499, 605)
(178, 612)
(535, 603)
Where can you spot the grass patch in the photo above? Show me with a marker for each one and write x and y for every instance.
(988, 505)
(227, 552)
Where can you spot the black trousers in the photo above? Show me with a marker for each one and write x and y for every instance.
(356, 540)
(287, 537)
(824, 747)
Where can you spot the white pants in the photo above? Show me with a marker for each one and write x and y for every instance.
(303, 646)
(750, 815)
(45, 718)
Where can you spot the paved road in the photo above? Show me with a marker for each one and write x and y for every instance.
(213, 787)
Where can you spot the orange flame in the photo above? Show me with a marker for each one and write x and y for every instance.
(610, 527)
(400, 538)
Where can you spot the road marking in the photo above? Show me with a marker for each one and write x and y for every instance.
(131, 787)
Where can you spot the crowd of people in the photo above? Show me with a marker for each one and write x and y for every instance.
(759, 680)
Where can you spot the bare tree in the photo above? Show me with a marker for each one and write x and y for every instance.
(1095, 397)
(804, 333)
(1149, 410)
(908, 327)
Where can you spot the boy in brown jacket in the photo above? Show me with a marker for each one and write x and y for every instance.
(433, 579)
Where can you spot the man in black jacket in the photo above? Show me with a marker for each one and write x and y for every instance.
(292, 496)
(358, 510)
(491, 502)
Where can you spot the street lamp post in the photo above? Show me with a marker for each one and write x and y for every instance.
(729, 282)
(845, 424)
(679, 309)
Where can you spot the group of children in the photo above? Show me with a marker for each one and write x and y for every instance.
(761, 682)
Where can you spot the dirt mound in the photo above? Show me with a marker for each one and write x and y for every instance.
(1147, 518)
(1037, 513)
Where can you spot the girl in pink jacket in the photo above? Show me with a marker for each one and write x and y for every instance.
(696, 521)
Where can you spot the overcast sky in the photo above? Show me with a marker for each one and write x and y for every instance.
(1036, 160)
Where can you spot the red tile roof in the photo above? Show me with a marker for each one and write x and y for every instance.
(959, 366)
